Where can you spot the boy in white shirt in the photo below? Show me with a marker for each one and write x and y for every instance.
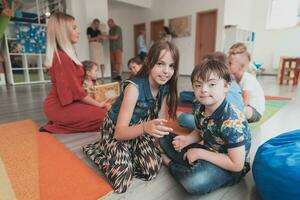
(253, 94)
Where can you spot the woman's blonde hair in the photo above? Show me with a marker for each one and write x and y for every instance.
(240, 49)
(58, 38)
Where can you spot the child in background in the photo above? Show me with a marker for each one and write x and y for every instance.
(233, 96)
(128, 144)
(134, 65)
(90, 77)
(253, 94)
(216, 153)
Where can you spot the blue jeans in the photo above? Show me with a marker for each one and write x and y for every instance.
(200, 178)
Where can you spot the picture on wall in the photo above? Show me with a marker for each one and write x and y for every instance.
(181, 26)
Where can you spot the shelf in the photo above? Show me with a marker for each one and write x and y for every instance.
(34, 75)
(16, 69)
(19, 76)
(35, 68)
(26, 54)
(234, 35)
(34, 82)
(24, 68)
(20, 22)
(46, 76)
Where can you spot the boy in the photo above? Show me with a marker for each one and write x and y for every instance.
(253, 94)
(216, 153)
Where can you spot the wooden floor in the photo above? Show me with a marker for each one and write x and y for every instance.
(25, 101)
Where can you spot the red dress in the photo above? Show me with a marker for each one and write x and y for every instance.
(65, 111)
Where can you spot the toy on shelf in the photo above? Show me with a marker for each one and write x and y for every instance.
(32, 37)
(255, 68)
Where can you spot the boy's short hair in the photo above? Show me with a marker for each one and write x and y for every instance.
(239, 48)
(218, 55)
(136, 60)
(209, 66)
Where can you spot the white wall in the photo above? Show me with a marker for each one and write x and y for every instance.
(247, 14)
(126, 16)
(271, 44)
(141, 3)
(238, 12)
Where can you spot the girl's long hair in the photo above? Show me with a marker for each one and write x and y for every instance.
(58, 38)
(150, 61)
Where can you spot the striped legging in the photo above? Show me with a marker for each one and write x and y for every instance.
(121, 160)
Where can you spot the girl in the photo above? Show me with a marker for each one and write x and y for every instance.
(134, 65)
(216, 153)
(90, 77)
(67, 106)
(128, 145)
(95, 39)
(253, 94)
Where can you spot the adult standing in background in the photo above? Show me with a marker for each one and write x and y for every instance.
(166, 35)
(116, 49)
(96, 38)
(141, 45)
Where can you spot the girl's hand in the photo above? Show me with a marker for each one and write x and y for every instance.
(156, 128)
(179, 142)
(192, 155)
(103, 103)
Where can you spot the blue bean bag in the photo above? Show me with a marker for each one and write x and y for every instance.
(276, 167)
(187, 96)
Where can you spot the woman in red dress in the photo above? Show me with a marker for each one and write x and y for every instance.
(67, 106)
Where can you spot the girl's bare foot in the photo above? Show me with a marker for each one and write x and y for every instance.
(160, 149)
(165, 159)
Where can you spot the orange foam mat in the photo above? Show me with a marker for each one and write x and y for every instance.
(277, 98)
(176, 128)
(36, 166)
(185, 108)
(64, 176)
(18, 151)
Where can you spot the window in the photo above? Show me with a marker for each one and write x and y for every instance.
(283, 14)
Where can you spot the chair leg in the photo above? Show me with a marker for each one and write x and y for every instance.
(296, 77)
(281, 75)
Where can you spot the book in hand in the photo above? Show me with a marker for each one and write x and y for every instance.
(108, 90)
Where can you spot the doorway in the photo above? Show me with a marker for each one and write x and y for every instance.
(156, 28)
(206, 28)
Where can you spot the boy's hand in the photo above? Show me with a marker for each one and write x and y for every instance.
(156, 128)
(192, 155)
(179, 142)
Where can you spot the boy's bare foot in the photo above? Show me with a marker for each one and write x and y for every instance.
(165, 159)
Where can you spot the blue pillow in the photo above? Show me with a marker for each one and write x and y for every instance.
(276, 167)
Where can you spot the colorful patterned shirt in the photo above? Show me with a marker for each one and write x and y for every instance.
(226, 128)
